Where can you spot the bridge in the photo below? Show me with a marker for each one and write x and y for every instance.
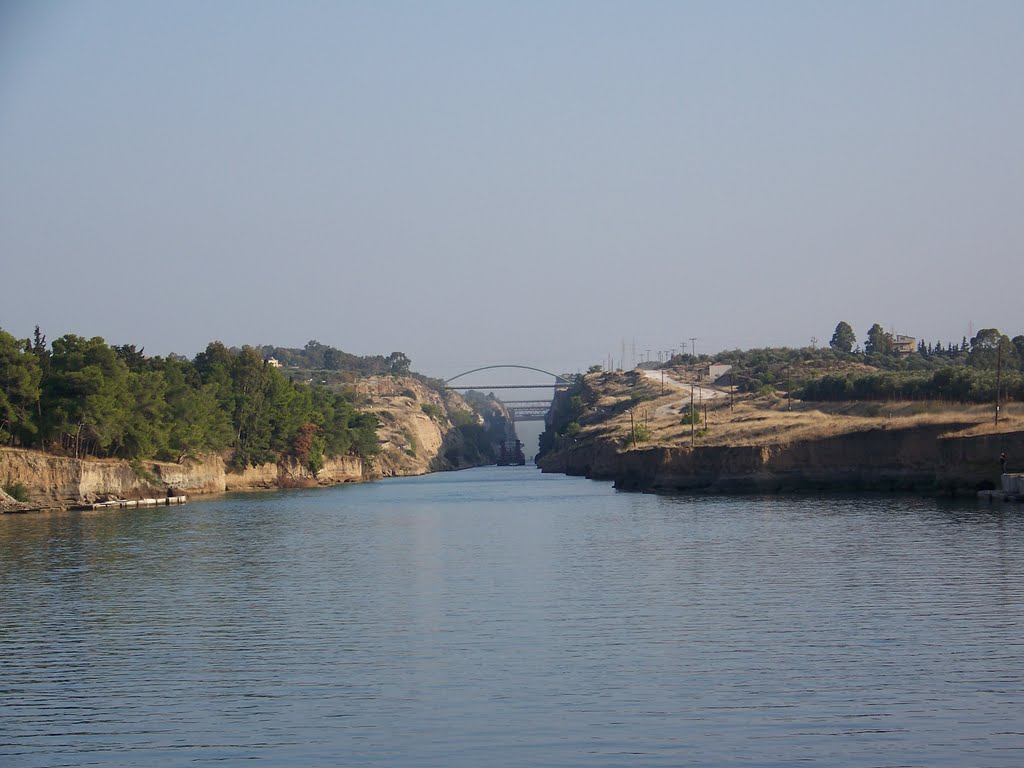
(527, 410)
(520, 410)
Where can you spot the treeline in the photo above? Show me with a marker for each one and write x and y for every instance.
(323, 357)
(964, 385)
(82, 397)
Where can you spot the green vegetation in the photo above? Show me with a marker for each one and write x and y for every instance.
(960, 372)
(843, 339)
(641, 433)
(435, 412)
(322, 357)
(963, 385)
(83, 397)
(18, 492)
(691, 416)
(480, 430)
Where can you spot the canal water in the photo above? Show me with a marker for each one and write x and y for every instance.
(501, 617)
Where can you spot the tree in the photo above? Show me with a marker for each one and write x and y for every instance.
(20, 378)
(986, 347)
(1018, 344)
(398, 363)
(879, 342)
(844, 338)
(87, 400)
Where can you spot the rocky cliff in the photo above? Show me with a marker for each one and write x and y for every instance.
(60, 480)
(919, 459)
(419, 428)
(762, 446)
(417, 434)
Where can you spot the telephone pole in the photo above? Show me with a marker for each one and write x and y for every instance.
(691, 417)
(999, 374)
(693, 346)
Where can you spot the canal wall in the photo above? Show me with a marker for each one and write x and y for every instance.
(920, 459)
(61, 480)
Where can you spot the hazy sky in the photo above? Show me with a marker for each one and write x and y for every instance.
(477, 183)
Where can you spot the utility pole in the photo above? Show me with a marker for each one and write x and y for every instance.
(691, 416)
(999, 374)
(693, 346)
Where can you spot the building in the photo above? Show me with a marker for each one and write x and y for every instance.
(904, 346)
(273, 362)
(715, 371)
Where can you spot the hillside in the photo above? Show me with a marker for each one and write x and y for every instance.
(609, 422)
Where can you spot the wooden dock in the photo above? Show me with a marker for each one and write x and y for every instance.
(164, 501)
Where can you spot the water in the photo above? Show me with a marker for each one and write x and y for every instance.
(505, 618)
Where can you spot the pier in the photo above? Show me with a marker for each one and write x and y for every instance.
(132, 503)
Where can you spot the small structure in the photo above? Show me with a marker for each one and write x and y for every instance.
(904, 346)
(1011, 489)
(163, 501)
(510, 453)
(273, 362)
(715, 371)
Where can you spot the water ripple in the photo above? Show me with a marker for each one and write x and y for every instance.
(508, 618)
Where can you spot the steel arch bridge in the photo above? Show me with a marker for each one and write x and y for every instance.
(560, 381)
(520, 410)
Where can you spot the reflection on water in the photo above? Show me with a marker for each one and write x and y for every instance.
(503, 617)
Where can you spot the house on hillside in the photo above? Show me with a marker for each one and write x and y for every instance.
(904, 346)
(715, 371)
(273, 362)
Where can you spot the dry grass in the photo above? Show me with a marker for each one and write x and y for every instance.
(758, 420)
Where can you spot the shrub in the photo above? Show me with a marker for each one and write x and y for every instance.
(691, 416)
(641, 433)
(435, 412)
(18, 492)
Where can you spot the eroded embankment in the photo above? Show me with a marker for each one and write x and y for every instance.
(416, 435)
(60, 481)
(917, 459)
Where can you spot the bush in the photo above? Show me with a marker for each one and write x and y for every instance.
(18, 492)
(641, 433)
(435, 412)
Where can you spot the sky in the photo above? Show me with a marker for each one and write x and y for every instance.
(540, 183)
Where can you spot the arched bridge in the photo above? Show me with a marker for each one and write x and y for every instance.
(520, 410)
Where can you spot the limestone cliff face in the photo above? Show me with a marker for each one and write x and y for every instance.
(920, 459)
(59, 481)
(291, 474)
(416, 434)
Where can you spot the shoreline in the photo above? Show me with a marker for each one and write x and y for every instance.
(915, 461)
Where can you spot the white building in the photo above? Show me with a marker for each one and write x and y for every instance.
(716, 371)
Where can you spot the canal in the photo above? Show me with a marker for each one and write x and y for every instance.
(502, 617)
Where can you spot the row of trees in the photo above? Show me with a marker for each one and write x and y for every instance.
(84, 397)
(987, 349)
(323, 357)
(962, 384)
